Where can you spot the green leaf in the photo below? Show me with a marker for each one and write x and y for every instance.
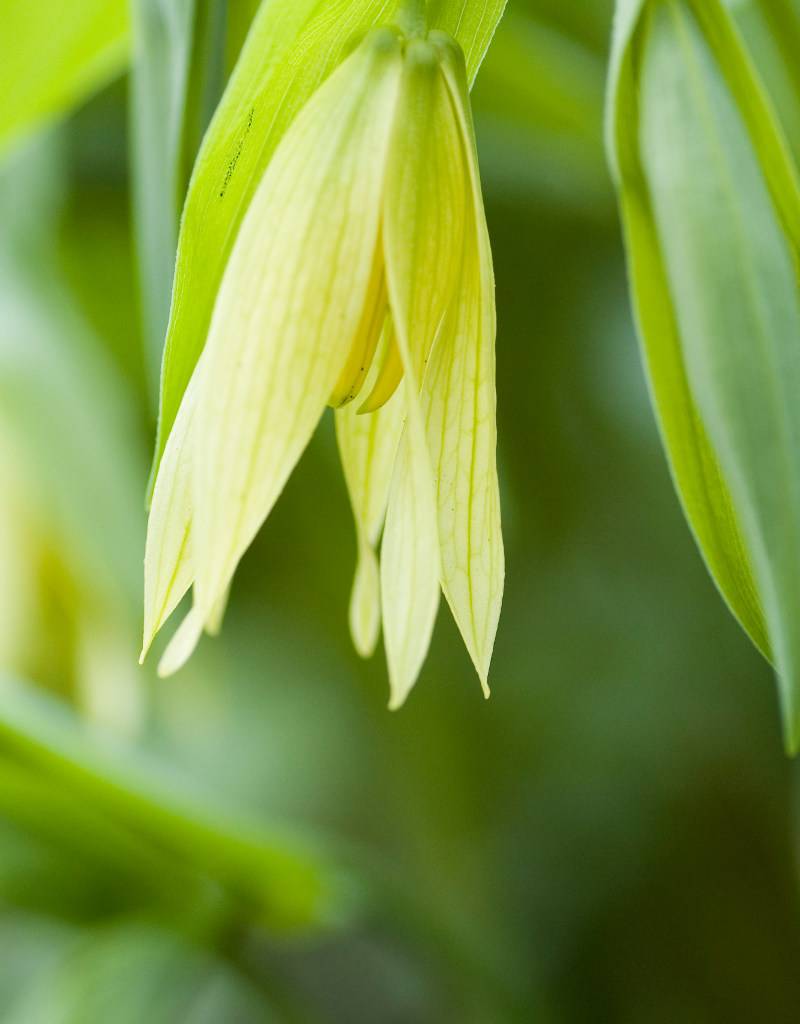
(165, 978)
(539, 104)
(206, 79)
(284, 878)
(694, 465)
(292, 47)
(53, 373)
(54, 55)
(771, 29)
(177, 73)
(161, 61)
(711, 206)
(240, 18)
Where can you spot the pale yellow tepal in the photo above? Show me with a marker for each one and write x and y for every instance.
(361, 278)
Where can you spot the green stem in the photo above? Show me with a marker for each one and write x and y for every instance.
(412, 17)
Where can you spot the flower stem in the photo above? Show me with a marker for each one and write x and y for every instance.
(412, 17)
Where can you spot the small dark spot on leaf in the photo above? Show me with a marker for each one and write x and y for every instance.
(235, 158)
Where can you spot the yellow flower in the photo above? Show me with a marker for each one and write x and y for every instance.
(361, 278)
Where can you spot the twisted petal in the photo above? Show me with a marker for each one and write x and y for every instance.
(290, 305)
(367, 446)
(423, 228)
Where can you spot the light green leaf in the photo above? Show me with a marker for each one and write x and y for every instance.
(164, 977)
(712, 211)
(734, 280)
(292, 47)
(163, 32)
(283, 877)
(472, 23)
(694, 465)
(771, 29)
(177, 77)
(54, 375)
(53, 56)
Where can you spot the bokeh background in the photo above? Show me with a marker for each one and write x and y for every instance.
(611, 838)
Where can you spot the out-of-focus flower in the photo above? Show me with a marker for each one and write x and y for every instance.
(362, 270)
(59, 626)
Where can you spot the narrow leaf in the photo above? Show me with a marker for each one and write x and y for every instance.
(163, 32)
(733, 276)
(694, 465)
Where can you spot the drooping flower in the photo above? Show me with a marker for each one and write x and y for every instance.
(361, 278)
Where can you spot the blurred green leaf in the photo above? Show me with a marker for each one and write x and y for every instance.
(177, 69)
(71, 463)
(282, 879)
(539, 106)
(163, 33)
(586, 21)
(139, 971)
(772, 31)
(240, 18)
(105, 861)
(130, 971)
(292, 46)
(53, 55)
(32, 950)
(206, 79)
(69, 416)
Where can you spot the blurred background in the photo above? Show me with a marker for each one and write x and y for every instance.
(611, 838)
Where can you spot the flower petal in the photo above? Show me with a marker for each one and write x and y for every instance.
(182, 644)
(388, 378)
(460, 404)
(168, 569)
(289, 306)
(370, 330)
(423, 230)
(368, 446)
